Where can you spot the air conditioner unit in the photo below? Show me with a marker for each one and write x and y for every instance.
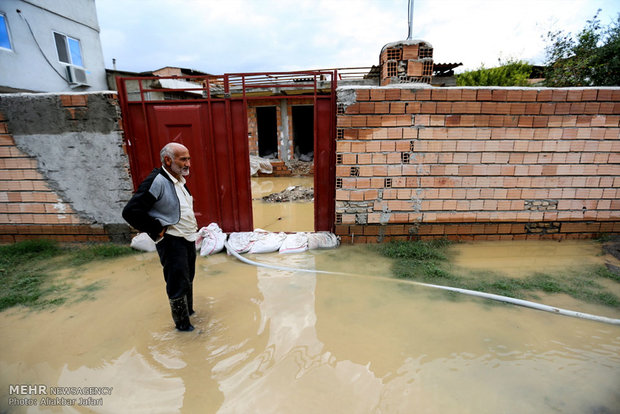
(76, 76)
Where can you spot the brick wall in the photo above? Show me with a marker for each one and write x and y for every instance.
(48, 182)
(477, 163)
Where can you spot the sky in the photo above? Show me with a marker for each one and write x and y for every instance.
(244, 36)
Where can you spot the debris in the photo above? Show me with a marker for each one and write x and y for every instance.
(293, 193)
(299, 167)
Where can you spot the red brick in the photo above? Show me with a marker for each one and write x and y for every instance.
(577, 107)
(573, 95)
(468, 94)
(397, 107)
(544, 95)
(377, 94)
(514, 95)
(444, 107)
(392, 94)
(65, 100)
(365, 108)
(428, 108)
(589, 95)
(423, 94)
(592, 108)
(499, 95)
(559, 95)
(79, 100)
(485, 94)
(604, 95)
(362, 95)
(529, 95)
(454, 94)
(439, 94)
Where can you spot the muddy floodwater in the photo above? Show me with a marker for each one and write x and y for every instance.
(291, 216)
(272, 341)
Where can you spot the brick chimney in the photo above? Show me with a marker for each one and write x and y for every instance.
(406, 61)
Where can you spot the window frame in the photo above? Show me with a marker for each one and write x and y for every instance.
(68, 50)
(8, 32)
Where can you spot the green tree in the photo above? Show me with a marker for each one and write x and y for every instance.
(591, 58)
(510, 73)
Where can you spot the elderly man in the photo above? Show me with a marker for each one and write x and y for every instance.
(163, 208)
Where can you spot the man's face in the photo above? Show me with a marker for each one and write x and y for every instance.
(180, 164)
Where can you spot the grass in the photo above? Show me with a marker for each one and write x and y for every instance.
(429, 262)
(26, 271)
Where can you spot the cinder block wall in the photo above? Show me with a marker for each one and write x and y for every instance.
(477, 163)
(64, 173)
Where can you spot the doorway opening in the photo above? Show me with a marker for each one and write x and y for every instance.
(303, 132)
(267, 125)
(283, 200)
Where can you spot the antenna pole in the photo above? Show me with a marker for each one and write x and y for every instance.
(410, 9)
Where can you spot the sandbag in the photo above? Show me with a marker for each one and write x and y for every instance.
(210, 240)
(257, 241)
(143, 242)
(260, 164)
(322, 240)
(295, 243)
(266, 242)
(241, 242)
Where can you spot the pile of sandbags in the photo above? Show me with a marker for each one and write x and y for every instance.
(211, 240)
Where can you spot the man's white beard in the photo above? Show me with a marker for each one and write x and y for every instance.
(180, 171)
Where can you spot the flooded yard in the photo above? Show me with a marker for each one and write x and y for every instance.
(290, 216)
(270, 341)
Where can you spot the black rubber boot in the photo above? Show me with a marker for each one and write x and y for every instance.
(190, 300)
(180, 315)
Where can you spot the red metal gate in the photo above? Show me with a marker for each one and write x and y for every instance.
(208, 114)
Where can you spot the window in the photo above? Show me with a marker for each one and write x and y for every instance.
(5, 41)
(69, 50)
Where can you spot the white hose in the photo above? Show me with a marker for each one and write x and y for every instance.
(499, 298)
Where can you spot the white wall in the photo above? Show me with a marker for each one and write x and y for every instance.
(25, 68)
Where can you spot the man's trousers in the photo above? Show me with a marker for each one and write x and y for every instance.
(178, 258)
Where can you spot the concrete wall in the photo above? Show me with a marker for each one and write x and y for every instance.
(26, 68)
(477, 163)
(63, 169)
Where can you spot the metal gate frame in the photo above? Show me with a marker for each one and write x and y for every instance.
(208, 114)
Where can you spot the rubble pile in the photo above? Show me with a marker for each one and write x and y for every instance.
(293, 193)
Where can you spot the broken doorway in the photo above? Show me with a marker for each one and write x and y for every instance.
(303, 132)
(267, 126)
(283, 200)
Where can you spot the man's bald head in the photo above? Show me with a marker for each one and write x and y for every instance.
(171, 149)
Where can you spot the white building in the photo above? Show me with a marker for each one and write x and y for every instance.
(50, 46)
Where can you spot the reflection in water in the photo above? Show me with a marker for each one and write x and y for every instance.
(278, 342)
(139, 387)
(294, 361)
